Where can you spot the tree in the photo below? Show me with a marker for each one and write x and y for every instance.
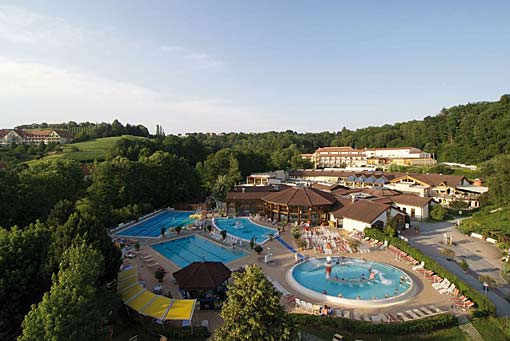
(23, 274)
(253, 311)
(497, 172)
(75, 308)
(160, 274)
(438, 212)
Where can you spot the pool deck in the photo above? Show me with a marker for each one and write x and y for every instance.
(277, 269)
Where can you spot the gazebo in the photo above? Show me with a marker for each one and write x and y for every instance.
(203, 280)
(299, 204)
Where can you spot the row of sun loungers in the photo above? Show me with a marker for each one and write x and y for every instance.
(229, 240)
(442, 285)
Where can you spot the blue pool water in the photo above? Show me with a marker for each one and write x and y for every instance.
(312, 275)
(152, 226)
(184, 251)
(243, 228)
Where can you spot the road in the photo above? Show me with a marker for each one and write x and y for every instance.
(483, 258)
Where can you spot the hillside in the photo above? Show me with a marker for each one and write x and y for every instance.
(88, 151)
(469, 133)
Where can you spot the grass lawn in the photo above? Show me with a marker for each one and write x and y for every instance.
(326, 333)
(87, 151)
(493, 328)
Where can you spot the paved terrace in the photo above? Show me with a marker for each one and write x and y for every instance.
(282, 261)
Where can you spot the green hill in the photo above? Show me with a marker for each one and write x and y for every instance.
(88, 151)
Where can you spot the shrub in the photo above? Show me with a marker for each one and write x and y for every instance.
(258, 249)
(425, 325)
(209, 228)
(296, 232)
(178, 229)
(223, 234)
(438, 212)
(160, 274)
(252, 242)
(301, 243)
(464, 265)
(483, 304)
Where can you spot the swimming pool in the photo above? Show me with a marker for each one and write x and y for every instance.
(151, 227)
(353, 279)
(186, 250)
(245, 229)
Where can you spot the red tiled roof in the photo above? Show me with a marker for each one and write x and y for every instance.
(299, 196)
(380, 192)
(410, 200)
(435, 179)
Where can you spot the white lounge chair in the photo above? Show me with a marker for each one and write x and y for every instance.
(412, 314)
(444, 284)
(426, 311)
(447, 290)
(419, 266)
(403, 317)
(436, 309)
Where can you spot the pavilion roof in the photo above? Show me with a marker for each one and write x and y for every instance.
(301, 196)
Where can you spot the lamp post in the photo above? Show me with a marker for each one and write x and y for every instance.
(485, 288)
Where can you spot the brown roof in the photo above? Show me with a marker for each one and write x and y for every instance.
(380, 192)
(252, 192)
(436, 179)
(342, 174)
(410, 200)
(342, 191)
(4, 132)
(202, 275)
(364, 210)
(335, 149)
(328, 188)
(299, 196)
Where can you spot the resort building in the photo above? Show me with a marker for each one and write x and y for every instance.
(444, 189)
(19, 136)
(348, 157)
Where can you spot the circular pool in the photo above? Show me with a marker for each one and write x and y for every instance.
(351, 281)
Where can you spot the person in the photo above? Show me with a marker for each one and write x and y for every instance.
(396, 291)
(340, 295)
(336, 277)
(337, 261)
(387, 295)
(324, 292)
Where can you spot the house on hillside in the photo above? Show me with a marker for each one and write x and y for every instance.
(19, 136)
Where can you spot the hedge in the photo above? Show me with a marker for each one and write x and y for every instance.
(425, 325)
(484, 305)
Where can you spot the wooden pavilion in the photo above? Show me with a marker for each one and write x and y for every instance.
(299, 204)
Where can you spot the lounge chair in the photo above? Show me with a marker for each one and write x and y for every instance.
(436, 309)
(347, 314)
(419, 266)
(376, 318)
(384, 318)
(447, 290)
(444, 284)
(403, 317)
(367, 318)
(392, 318)
(316, 309)
(412, 314)
(356, 315)
(309, 307)
(426, 311)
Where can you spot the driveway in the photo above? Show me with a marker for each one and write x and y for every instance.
(483, 258)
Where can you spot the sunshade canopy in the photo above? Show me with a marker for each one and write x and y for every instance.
(202, 275)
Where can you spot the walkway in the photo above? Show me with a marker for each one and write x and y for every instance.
(469, 329)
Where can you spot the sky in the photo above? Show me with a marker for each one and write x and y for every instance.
(221, 66)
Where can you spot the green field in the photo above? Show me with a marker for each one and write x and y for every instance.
(86, 151)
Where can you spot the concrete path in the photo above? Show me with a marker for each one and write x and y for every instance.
(469, 329)
(482, 258)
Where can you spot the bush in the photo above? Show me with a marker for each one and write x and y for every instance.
(296, 232)
(438, 212)
(178, 229)
(425, 325)
(185, 333)
(223, 234)
(483, 304)
(209, 228)
(464, 265)
(301, 243)
(258, 249)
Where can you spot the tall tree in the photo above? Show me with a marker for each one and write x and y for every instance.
(253, 311)
(75, 308)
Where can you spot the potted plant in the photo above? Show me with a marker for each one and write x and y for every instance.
(223, 234)
(178, 229)
(160, 274)
(258, 249)
(296, 232)
(252, 242)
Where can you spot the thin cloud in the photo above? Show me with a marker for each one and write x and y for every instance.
(21, 26)
(34, 91)
(200, 59)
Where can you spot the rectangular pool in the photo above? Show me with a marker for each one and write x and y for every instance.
(245, 229)
(186, 250)
(151, 227)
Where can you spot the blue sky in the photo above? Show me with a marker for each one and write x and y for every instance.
(248, 66)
